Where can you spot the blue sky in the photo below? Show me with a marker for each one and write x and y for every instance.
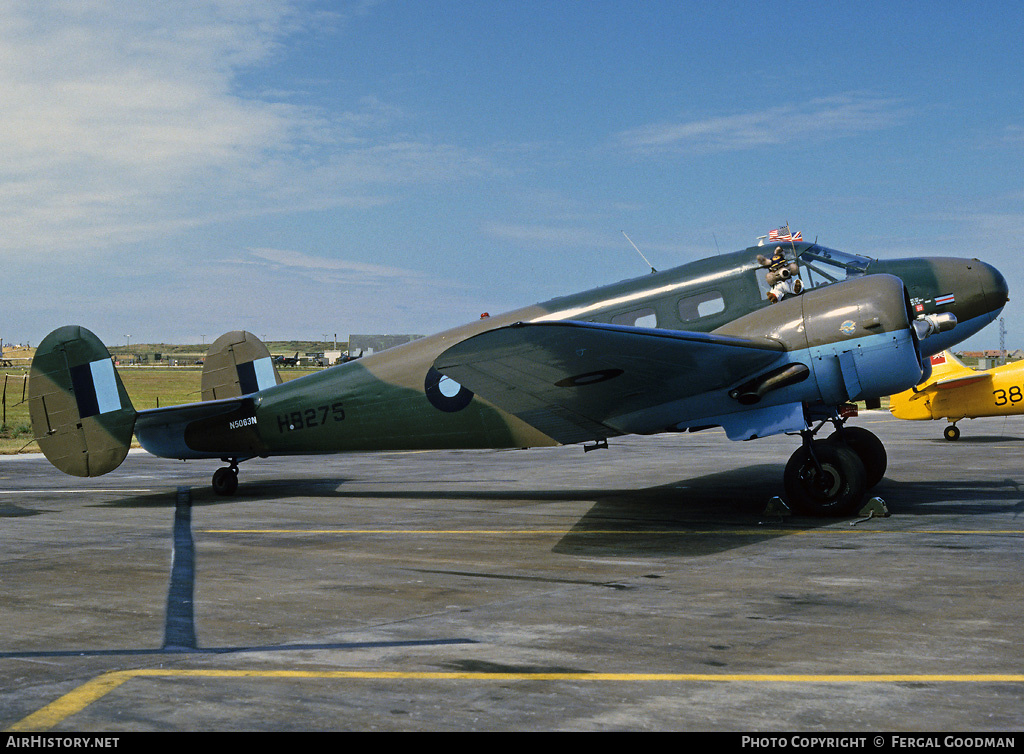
(171, 171)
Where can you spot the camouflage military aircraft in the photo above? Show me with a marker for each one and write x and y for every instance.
(678, 350)
(955, 391)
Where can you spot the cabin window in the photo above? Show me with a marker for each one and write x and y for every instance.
(637, 318)
(701, 305)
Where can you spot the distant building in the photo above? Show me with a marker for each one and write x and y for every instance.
(990, 357)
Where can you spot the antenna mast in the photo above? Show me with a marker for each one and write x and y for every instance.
(639, 252)
(1002, 342)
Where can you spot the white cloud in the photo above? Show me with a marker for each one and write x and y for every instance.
(358, 273)
(122, 120)
(549, 236)
(819, 119)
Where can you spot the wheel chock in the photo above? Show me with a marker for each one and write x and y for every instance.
(776, 507)
(875, 507)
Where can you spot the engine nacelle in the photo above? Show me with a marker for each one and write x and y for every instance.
(856, 338)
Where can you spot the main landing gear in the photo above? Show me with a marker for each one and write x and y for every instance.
(952, 432)
(225, 480)
(830, 477)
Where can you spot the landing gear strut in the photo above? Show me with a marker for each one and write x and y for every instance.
(225, 480)
(830, 477)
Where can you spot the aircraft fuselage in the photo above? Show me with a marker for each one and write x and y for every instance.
(397, 400)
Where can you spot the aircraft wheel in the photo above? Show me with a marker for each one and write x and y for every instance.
(869, 450)
(952, 432)
(225, 481)
(837, 489)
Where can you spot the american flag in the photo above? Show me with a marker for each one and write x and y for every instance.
(783, 234)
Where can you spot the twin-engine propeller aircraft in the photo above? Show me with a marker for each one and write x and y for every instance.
(955, 391)
(678, 350)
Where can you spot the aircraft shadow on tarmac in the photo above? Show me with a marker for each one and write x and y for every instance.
(695, 516)
(976, 497)
(690, 517)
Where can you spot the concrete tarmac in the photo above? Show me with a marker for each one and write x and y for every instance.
(641, 587)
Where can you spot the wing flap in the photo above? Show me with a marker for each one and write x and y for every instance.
(574, 380)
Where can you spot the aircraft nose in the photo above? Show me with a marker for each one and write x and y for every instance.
(993, 284)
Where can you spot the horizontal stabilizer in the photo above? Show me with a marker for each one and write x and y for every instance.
(81, 415)
(210, 429)
(237, 364)
(960, 381)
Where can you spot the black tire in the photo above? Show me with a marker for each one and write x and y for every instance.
(869, 450)
(837, 490)
(951, 433)
(225, 481)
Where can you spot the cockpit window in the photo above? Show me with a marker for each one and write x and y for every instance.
(821, 266)
(789, 269)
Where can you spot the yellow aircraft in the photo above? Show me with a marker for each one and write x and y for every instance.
(955, 391)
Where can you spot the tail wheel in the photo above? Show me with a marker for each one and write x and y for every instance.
(869, 450)
(952, 432)
(832, 486)
(225, 481)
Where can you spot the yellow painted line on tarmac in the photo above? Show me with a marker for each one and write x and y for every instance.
(615, 532)
(88, 693)
(73, 702)
(83, 490)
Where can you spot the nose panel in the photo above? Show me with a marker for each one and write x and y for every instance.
(996, 291)
(970, 288)
(975, 292)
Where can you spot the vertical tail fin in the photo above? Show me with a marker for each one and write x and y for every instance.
(944, 366)
(81, 415)
(237, 364)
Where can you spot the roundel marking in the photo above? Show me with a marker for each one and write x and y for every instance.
(848, 327)
(589, 378)
(444, 393)
(449, 388)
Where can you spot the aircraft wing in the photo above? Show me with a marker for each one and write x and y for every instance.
(576, 381)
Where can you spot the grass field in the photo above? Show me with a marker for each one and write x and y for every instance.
(148, 387)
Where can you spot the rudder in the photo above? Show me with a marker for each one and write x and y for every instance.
(81, 415)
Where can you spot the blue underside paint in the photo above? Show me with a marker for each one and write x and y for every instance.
(162, 431)
(871, 366)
